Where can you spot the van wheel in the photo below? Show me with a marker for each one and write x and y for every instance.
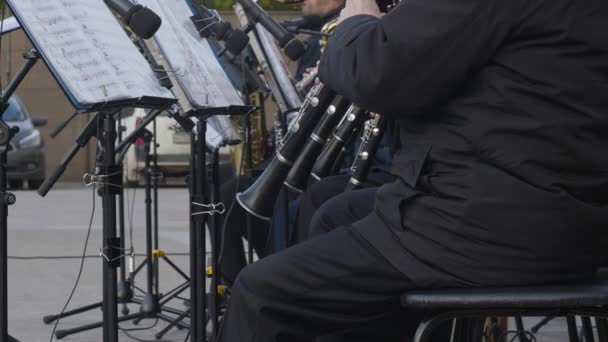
(16, 184)
(34, 184)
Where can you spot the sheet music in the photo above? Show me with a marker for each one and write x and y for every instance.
(87, 50)
(191, 58)
(9, 24)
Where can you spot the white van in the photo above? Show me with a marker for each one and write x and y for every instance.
(173, 150)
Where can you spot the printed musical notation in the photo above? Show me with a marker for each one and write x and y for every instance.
(191, 58)
(87, 50)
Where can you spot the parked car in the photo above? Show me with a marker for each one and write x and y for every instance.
(173, 152)
(173, 149)
(26, 160)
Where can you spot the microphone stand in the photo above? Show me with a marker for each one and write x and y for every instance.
(7, 198)
(125, 293)
(124, 296)
(153, 303)
(296, 30)
(249, 174)
(62, 125)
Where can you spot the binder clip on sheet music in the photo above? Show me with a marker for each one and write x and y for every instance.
(192, 64)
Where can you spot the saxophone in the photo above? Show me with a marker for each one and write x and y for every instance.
(255, 131)
(327, 29)
(307, 81)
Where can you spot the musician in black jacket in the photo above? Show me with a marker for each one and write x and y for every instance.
(502, 172)
(326, 9)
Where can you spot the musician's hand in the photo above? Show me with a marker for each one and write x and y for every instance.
(308, 71)
(357, 7)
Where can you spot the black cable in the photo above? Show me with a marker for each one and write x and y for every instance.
(90, 256)
(187, 337)
(152, 326)
(84, 252)
(143, 340)
(529, 336)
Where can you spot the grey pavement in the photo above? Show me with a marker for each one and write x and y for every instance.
(57, 226)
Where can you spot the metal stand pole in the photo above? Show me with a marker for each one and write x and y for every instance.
(111, 249)
(155, 213)
(194, 271)
(149, 305)
(249, 174)
(125, 293)
(7, 198)
(197, 234)
(216, 226)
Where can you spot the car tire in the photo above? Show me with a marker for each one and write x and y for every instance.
(16, 184)
(34, 184)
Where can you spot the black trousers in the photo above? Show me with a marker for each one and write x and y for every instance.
(233, 256)
(331, 283)
(321, 211)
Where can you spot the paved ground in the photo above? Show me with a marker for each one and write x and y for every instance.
(57, 226)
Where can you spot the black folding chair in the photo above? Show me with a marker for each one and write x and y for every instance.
(588, 299)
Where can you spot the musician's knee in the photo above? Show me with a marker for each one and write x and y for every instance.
(322, 222)
(252, 278)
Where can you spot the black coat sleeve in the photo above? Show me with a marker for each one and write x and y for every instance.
(416, 56)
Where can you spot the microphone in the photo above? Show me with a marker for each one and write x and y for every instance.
(307, 22)
(293, 48)
(209, 25)
(141, 20)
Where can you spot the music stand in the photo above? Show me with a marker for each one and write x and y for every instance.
(205, 94)
(99, 70)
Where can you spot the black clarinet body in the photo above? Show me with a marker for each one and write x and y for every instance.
(372, 136)
(346, 129)
(297, 178)
(260, 198)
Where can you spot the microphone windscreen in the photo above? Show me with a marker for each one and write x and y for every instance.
(237, 42)
(294, 49)
(144, 23)
(309, 22)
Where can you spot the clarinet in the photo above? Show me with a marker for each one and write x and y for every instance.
(259, 199)
(307, 81)
(298, 176)
(387, 5)
(276, 74)
(370, 141)
(346, 129)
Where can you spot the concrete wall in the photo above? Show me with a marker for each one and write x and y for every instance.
(43, 97)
